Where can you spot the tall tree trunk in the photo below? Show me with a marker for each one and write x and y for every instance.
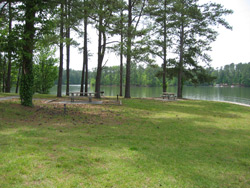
(180, 71)
(86, 51)
(84, 80)
(100, 59)
(164, 84)
(68, 44)
(101, 52)
(27, 79)
(8, 82)
(59, 85)
(18, 79)
(121, 54)
(4, 73)
(129, 41)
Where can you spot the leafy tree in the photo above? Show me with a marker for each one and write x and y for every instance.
(10, 36)
(246, 75)
(45, 70)
(30, 14)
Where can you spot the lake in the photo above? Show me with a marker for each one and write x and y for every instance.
(235, 94)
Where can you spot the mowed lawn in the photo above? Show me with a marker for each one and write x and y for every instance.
(142, 143)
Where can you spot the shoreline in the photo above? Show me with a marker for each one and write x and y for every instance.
(159, 99)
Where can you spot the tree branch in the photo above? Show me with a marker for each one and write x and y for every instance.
(3, 7)
(143, 5)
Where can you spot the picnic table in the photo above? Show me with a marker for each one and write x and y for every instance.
(79, 95)
(168, 95)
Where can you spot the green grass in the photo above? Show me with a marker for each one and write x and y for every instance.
(143, 143)
(7, 94)
(47, 96)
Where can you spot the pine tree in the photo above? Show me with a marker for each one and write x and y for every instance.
(193, 26)
(136, 7)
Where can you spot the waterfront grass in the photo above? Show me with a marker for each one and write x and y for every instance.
(142, 143)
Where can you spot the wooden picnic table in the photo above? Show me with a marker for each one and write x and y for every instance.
(79, 95)
(168, 95)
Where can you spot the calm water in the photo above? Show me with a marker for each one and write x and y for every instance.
(236, 94)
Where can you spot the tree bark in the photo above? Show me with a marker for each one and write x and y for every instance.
(86, 52)
(164, 84)
(8, 81)
(84, 80)
(4, 72)
(121, 54)
(102, 41)
(129, 42)
(68, 44)
(100, 59)
(27, 79)
(59, 85)
(83, 75)
(18, 79)
(180, 71)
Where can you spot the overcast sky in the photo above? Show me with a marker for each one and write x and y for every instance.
(230, 46)
(233, 46)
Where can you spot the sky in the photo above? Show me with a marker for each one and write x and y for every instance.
(231, 46)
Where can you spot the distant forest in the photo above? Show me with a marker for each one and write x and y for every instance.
(233, 74)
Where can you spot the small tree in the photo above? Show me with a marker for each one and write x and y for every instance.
(45, 70)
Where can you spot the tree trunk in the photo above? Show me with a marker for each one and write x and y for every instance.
(68, 44)
(100, 59)
(18, 79)
(121, 54)
(101, 51)
(86, 52)
(83, 73)
(8, 82)
(98, 82)
(27, 79)
(164, 84)
(128, 66)
(4, 73)
(180, 71)
(59, 85)
(43, 77)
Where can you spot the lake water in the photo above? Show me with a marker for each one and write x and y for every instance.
(235, 94)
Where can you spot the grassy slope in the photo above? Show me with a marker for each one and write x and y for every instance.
(143, 143)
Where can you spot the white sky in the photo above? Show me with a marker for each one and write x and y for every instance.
(230, 46)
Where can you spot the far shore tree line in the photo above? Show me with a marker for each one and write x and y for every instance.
(148, 76)
(137, 31)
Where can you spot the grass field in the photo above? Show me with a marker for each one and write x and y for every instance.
(142, 143)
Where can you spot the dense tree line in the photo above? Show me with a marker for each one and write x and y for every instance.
(232, 74)
(140, 76)
(147, 29)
